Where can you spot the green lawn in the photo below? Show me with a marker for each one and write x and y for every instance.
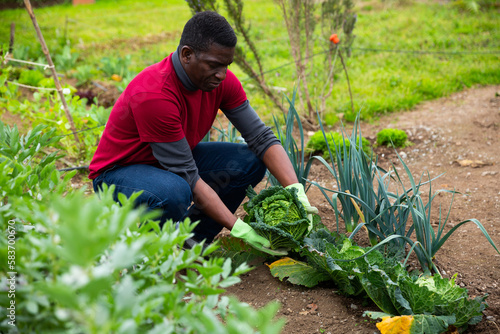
(381, 81)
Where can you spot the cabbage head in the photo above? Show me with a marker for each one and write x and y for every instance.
(277, 215)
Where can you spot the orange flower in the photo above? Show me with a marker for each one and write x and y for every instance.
(334, 39)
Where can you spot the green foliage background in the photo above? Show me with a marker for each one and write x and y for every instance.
(389, 68)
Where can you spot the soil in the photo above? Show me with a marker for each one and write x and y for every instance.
(457, 135)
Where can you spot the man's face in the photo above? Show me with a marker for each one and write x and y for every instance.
(207, 69)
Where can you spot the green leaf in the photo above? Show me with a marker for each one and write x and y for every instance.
(377, 285)
(424, 323)
(60, 293)
(239, 252)
(299, 273)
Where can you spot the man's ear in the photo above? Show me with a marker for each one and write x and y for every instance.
(186, 54)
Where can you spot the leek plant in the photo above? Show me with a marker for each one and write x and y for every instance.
(386, 214)
(354, 174)
(295, 153)
(230, 134)
(431, 240)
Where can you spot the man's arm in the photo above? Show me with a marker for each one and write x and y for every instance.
(177, 158)
(278, 163)
(262, 141)
(210, 203)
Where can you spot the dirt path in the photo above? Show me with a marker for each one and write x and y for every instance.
(445, 133)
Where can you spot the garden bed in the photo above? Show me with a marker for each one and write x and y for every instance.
(450, 136)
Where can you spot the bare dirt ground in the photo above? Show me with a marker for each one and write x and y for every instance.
(459, 136)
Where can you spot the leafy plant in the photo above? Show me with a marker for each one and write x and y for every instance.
(296, 153)
(46, 108)
(230, 134)
(363, 191)
(31, 77)
(47, 83)
(115, 65)
(87, 264)
(239, 252)
(392, 138)
(25, 170)
(66, 60)
(122, 82)
(425, 296)
(318, 143)
(365, 271)
(354, 174)
(430, 240)
(84, 74)
(277, 214)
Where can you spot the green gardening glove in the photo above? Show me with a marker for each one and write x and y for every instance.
(301, 194)
(245, 232)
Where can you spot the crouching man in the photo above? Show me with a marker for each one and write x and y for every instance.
(151, 142)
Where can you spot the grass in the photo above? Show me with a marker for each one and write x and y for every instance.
(381, 81)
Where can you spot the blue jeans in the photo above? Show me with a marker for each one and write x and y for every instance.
(228, 168)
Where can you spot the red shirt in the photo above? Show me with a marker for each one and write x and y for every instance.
(156, 107)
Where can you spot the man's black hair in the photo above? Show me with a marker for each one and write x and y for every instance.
(206, 28)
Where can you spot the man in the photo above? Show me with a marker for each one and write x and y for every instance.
(151, 142)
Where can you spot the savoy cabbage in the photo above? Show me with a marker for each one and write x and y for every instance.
(277, 214)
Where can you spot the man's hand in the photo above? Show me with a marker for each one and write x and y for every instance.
(247, 233)
(301, 194)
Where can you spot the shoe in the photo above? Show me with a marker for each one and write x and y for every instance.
(191, 242)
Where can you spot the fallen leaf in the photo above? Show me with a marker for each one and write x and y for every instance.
(395, 325)
(313, 307)
(472, 163)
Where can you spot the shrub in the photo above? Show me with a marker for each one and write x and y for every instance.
(317, 142)
(392, 138)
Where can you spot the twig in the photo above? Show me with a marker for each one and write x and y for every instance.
(11, 42)
(52, 68)
(347, 77)
(27, 86)
(9, 58)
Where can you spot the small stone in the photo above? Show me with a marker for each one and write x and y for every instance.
(354, 307)
(490, 318)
